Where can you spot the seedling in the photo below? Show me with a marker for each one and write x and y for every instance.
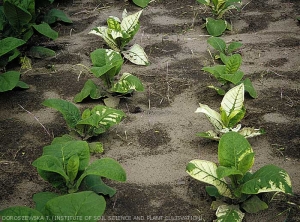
(216, 26)
(91, 122)
(119, 33)
(106, 66)
(233, 184)
(223, 49)
(231, 113)
(230, 73)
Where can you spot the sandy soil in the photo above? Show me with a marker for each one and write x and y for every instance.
(155, 145)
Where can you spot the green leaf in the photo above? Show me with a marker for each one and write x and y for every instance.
(223, 171)
(40, 200)
(41, 52)
(89, 89)
(269, 178)
(213, 116)
(106, 64)
(229, 213)
(219, 90)
(216, 71)
(16, 16)
(218, 43)
(56, 15)
(22, 85)
(249, 88)
(114, 24)
(232, 149)
(233, 64)
(215, 27)
(72, 167)
(206, 171)
(105, 167)
(10, 43)
(233, 100)
(96, 147)
(212, 191)
(62, 139)
(51, 164)
(136, 55)
(127, 84)
(69, 111)
(254, 205)
(64, 151)
(46, 30)
(234, 78)
(141, 3)
(94, 183)
(82, 206)
(9, 80)
(233, 46)
(19, 212)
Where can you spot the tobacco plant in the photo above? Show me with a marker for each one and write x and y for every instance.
(230, 73)
(233, 183)
(216, 26)
(92, 122)
(20, 19)
(107, 64)
(9, 51)
(119, 33)
(231, 113)
(223, 49)
(65, 164)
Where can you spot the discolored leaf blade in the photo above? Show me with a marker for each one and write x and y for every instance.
(206, 171)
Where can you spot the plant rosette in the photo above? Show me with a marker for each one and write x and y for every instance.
(233, 183)
(231, 113)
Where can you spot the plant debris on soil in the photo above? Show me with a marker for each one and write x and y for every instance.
(157, 139)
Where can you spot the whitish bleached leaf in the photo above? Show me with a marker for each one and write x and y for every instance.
(249, 132)
(209, 135)
(128, 83)
(124, 14)
(233, 100)
(229, 213)
(269, 178)
(136, 55)
(130, 22)
(103, 32)
(212, 115)
(206, 171)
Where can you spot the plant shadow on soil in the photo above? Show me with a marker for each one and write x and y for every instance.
(157, 139)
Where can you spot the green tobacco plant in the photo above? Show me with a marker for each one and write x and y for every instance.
(9, 51)
(233, 184)
(223, 49)
(65, 164)
(119, 33)
(107, 64)
(20, 19)
(230, 73)
(231, 113)
(216, 26)
(92, 122)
